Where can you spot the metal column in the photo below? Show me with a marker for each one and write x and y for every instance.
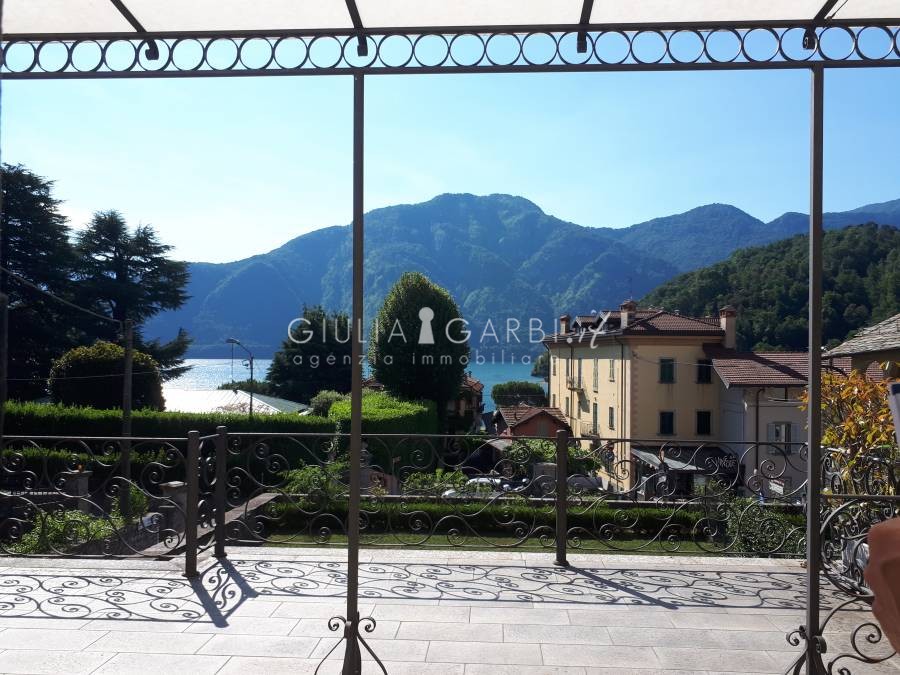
(352, 623)
(815, 643)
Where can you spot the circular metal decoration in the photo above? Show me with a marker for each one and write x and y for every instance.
(20, 57)
(874, 43)
(686, 46)
(431, 50)
(567, 48)
(723, 45)
(760, 45)
(188, 54)
(612, 47)
(325, 51)
(221, 54)
(791, 46)
(538, 49)
(467, 49)
(350, 52)
(87, 56)
(837, 43)
(53, 57)
(503, 49)
(120, 56)
(395, 51)
(291, 53)
(649, 46)
(256, 53)
(161, 63)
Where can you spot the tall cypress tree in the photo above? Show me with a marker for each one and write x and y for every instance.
(418, 347)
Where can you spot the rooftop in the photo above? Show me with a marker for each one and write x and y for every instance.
(516, 414)
(883, 336)
(226, 400)
(772, 369)
(643, 322)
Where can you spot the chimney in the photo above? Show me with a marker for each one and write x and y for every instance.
(728, 322)
(626, 309)
(564, 323)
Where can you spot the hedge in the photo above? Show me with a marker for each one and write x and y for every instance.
(37, 419)
(384, 414)
(492, 519)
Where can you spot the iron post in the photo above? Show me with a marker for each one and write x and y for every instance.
(4, 356)
(562, 496)
(219, 491)
(127, 390)
(815, 643)
(191, 517)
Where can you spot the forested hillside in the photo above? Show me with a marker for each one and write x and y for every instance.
(768, 286)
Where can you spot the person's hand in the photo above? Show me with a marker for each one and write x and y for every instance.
(883, 577)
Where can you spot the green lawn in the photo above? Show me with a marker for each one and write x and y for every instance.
(484, 543)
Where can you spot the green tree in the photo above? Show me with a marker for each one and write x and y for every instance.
(92, 376)
(321, 403)
(541, 366)
(127, 274)
(768, 286)
(34, 245)
(315, 357)
(515, 392)
(408, 360)
(256, 386)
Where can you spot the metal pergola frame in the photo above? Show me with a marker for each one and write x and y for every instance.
(573, 48)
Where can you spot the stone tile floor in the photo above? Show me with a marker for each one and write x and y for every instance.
(266, 610)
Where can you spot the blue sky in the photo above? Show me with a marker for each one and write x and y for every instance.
(226, 168)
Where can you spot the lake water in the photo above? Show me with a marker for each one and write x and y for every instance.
(210, 373)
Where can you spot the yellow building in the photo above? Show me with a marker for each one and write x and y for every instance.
(641, 375)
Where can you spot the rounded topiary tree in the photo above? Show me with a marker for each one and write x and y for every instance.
(92, 376)
(418, 346)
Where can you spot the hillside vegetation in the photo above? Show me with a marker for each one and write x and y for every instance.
(499, 256)
(768, 286)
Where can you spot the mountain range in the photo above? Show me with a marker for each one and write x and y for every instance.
(499, 256)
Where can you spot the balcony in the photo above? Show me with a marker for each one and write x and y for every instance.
(589, 429)
(574, 383)
(481, 533)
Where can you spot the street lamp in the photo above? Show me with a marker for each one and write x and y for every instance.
(234, 341)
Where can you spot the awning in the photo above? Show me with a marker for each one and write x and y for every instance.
(99, 17)
(713, 460)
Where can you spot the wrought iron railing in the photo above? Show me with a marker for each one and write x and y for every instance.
(417, 490)
(161, 497)
(96, 496)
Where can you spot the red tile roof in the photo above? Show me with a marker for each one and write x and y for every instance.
(772, 369)
(643, 322)
(669, 322)
(516, 414)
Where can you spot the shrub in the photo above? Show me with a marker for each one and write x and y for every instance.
(327, 480)
(321, 403)
(92, 376)
(61, 530)
(513, 393)
(256, 386)
(436, 483)
(529, 450)
(496, 518)
(35, 419)
(384, 414)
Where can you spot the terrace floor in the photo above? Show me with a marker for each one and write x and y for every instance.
(265, 610)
